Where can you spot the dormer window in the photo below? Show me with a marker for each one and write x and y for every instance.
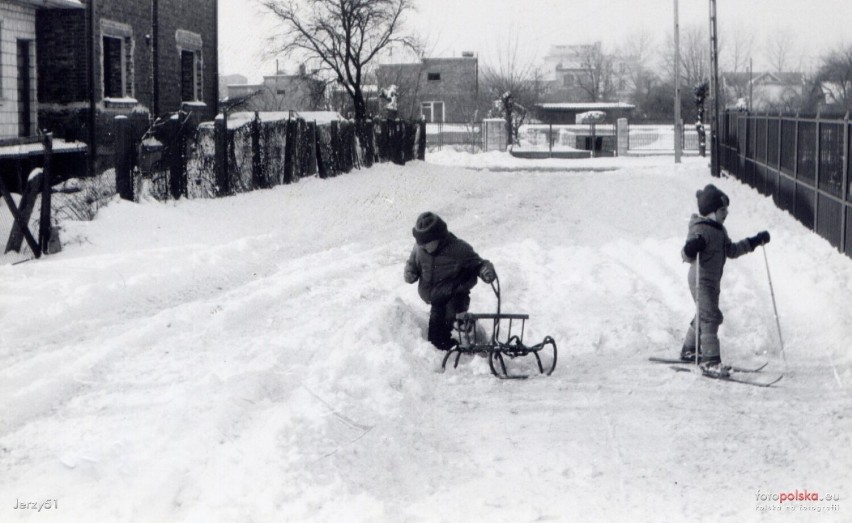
(433, 77)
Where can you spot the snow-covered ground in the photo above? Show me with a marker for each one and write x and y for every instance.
(259, 358)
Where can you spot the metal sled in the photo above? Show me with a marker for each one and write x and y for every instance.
(501, 345)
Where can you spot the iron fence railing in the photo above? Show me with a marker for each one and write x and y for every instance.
(802, 162)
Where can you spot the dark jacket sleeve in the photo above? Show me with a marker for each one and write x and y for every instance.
(737, 249)
(412, 267)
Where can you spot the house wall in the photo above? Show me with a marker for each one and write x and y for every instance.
(16, 22)
(64, 90)
(64, 36)
(197, 17)
(457, 88)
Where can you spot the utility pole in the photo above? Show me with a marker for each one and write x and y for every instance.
(715, 169)
(678, 127)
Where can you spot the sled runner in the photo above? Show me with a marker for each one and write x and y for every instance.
(505, 342)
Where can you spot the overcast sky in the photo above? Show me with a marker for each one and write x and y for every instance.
(453, 26)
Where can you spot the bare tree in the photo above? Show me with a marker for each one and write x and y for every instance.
(694, 55)
(343, 36)
(598, 80)
(835, 78)
(778, 50)
(510, 73)
(737, 49)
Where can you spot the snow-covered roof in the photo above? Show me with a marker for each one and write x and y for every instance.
(240, 118)
(56, 4)
(37, 148)
(585, 106)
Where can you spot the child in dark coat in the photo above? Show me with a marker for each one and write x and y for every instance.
(447, 269)
(708, 237)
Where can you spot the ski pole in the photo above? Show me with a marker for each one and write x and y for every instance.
(697, 306)
(774, 306)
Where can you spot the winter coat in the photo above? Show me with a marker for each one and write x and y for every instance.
(452, 268)
(718, 249)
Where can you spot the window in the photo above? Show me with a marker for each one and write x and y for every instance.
(116, 60)
(432, 112)
(433, 77)
(113, 68)
(189, 46)
(187, 76)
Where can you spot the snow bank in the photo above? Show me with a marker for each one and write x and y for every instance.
(259, 358)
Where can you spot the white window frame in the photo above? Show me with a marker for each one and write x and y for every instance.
(123, 33)
(193, 43)
(431, 108)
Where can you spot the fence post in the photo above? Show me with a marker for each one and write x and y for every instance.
(796, 165)
(220, 141)
(47, 188)
(817, 141)
(421, 140)
(177, 153)
(257, 175)
(484, 131)
(550, 140)
(123, 154)
(845, 186)
(622, 137)
(778, 177)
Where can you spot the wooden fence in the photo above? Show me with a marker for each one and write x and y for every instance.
(219, 158)
(802, 162)
(31, 167)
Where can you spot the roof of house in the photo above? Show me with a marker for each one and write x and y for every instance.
(584, 106)
(60, 4)
(765, 78)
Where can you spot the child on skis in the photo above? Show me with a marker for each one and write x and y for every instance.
(708, 242)
(447, 269)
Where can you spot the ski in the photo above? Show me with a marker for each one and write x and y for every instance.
(735, 368)
(763, 379)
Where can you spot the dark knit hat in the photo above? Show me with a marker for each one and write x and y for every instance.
(429, 227)
(710, 199)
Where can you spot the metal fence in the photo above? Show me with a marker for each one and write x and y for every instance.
(553, 138)
(660, 138)
(802, 162)
(474, 137)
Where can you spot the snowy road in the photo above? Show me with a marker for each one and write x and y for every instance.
(259, 358)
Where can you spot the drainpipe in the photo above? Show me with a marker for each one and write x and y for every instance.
(90, 51)
(155, 57)
(216, 57)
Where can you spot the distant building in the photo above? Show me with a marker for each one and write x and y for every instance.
(568, 72)
(566, 113)
(280, 92)
(437, 89)
(763, 91)
(230, 79)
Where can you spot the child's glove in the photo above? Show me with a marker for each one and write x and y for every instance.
(410, 275)
(760, 238)
(487, 272)
(693, 246)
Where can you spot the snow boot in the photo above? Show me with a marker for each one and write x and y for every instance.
(715, 368)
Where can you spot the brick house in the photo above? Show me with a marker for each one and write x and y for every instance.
(18, 72)
(438, 89)
(138, 58)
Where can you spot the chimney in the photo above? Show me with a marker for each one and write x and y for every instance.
(302, 70)
(467, 54)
